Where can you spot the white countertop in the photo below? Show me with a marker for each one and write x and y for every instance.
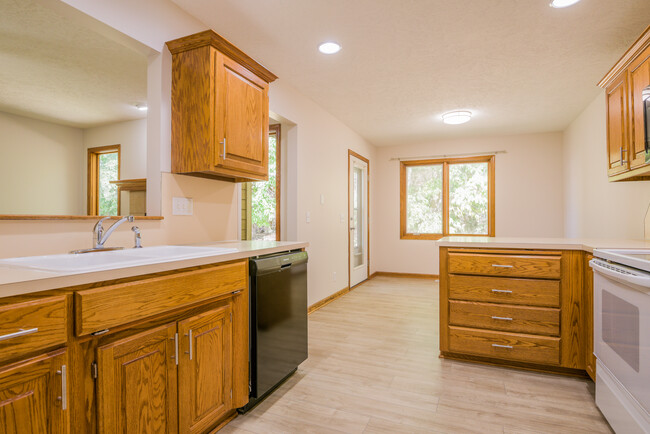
(17, 281)
(586, 244)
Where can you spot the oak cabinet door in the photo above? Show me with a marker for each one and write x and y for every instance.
(242, 124)
(33, 395)
(617, 135)
(639, 80)
(136, 385)
(205, 369)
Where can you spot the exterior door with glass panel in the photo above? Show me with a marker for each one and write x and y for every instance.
(358, 219)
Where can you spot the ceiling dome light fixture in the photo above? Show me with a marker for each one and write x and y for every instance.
(329, 48)
(562, 3)
(457, 117)
(141, 107)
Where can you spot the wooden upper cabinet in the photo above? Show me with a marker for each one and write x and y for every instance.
(617, 146)
(34, 397)
(624, 85)
(639, 79)
(136, 385)
(220, 110)
(205, 369)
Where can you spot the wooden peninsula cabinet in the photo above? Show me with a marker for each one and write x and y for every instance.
(624, 85)
(515, 307)
(220, 110)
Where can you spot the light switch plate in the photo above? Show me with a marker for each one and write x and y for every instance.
(307, 217)
(182, 206)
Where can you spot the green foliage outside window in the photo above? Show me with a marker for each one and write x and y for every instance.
(468, 199)
(108, 171)
(263, 200)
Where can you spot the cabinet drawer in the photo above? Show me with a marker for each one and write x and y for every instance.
(518, 319)
(113, 305)
(537, 266)
(529, 292)
(502, 345)
(30, 325)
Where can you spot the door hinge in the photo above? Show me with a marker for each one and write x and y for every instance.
(93, 370)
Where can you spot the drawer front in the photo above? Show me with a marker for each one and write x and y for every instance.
(507, 346)
(109, 306)
(31, 325)
(535, 266)
(517, 319)
(528, 292)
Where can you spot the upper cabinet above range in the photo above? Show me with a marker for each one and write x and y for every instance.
(626, 116)
(220, 110)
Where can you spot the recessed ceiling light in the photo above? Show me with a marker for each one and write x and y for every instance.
(329, 48)
(563, 3)
(457, 117)
(141, 107)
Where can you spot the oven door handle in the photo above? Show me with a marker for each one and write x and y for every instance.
(642, 281)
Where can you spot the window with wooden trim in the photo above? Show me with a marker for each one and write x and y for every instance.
(260, 217)
(453, 196)
(103, 167)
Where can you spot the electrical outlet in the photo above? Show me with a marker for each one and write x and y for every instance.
(342, 218)
(182, 206)
(333, 276)
(307, 217)
(322, 199)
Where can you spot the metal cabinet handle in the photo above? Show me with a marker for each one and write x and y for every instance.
(190, 351)
(502, 291)
(502, 266)
(64, 387)
(223, 148)
(19, 333)
(622, 160)
(175, 356)
(502, 346)
(503, 318)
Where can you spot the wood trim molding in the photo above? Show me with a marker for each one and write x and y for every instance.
(211, 38)
(404, 275)
(642, 42)
(445, 162)
(327, 300)
(276, 129)
(131, 184)
(92, 175)
(69, 217)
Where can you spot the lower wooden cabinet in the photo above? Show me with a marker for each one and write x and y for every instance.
(136, 383)
(204, 370)
(588, 303)
(34, 395)
(174, 378)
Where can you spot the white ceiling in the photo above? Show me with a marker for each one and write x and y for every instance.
(55, 70)
(519, 65)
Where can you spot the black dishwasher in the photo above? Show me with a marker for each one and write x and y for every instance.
(278, 320)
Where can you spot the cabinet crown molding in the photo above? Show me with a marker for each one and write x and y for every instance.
(213, 39)
(639, 45)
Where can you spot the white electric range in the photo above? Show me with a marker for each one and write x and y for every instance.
(622, 337)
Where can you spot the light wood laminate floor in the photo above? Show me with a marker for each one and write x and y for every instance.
(373, 367)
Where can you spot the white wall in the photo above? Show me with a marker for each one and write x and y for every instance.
(596, 208)
(317, 162)
(132, 138)
(41, 167)
(528, 195)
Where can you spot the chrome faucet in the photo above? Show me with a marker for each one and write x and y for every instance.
(100, 236)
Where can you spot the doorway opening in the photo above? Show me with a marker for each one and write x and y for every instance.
(358, 219)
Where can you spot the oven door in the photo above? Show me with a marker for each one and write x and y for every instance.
(622, 327)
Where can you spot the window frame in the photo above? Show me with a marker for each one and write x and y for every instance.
(445, 162)
(93, 175)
